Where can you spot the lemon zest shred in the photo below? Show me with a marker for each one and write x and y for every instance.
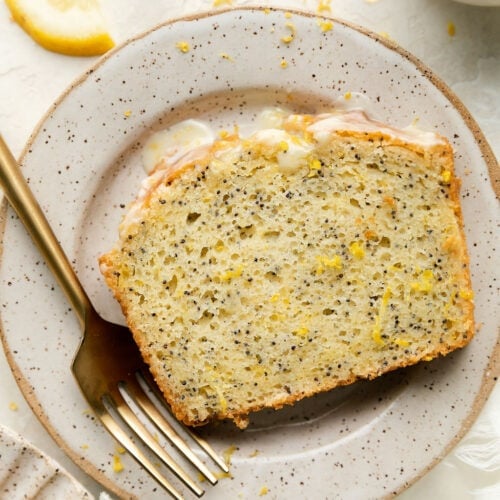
(303, 331)
(324, 6)
(446, 176)
(377, 328)
(315, 164)
(376, 333)
(222, 399)
(289, 38)
(283, 146)
(334, 262)
(325, 25)
(183, 46)
(466, 294)
(117, 464)
(231, 274)
(425, 284)
(228, 453)
(222, 475)
(357, 250)
(401, 342)
(277, 317)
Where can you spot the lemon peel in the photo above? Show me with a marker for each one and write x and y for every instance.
(70, 27)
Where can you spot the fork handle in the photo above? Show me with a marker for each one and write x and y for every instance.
(22, 200)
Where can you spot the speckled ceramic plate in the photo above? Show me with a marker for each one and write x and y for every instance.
(363, 441)
(26, 472)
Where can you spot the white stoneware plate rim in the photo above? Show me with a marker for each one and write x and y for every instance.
(428, 81)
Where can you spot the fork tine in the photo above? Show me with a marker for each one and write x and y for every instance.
(209, 450)
(93, 365)
(138, 427)
(140, 397)
(202, 443)
(119, 434)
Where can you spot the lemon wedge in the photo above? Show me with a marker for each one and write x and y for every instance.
(71, 27)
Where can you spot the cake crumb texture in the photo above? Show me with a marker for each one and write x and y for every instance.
(257, 272)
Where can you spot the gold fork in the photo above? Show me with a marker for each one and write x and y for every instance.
(108, 361)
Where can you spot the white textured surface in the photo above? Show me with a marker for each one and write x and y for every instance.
(26, 472)
(469, 62)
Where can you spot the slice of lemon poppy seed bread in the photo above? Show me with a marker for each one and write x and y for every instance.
(256, 271)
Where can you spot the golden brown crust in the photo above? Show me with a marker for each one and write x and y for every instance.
(241, 418)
